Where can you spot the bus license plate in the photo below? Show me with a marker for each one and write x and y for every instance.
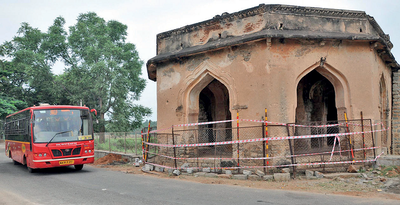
(66, 162)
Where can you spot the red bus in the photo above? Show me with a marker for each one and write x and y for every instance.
(50, 136)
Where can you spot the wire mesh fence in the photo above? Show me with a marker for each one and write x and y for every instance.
(338, 146)
(1, 130)
(317, 145)
(123, 142)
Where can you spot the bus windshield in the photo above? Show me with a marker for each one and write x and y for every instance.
(63, 125)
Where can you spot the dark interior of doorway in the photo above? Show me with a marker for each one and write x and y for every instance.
(316, 103)
(214, 106)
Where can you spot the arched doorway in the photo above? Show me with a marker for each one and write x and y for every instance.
(384, 111)
(316, 103)
(214, 106)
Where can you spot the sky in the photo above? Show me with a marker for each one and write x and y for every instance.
(147, 18)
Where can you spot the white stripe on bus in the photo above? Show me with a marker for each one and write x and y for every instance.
(49, 160)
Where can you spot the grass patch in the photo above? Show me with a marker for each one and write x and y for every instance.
(129, 145)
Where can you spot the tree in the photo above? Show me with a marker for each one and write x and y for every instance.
(27, 75)
(9, 105)
(10, 88)
(102, 69)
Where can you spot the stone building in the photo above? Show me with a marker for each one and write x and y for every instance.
(301, 63)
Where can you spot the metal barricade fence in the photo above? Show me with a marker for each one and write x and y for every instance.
(318, 153)
(316, 145)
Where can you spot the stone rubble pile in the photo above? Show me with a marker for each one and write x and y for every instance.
(385, 178)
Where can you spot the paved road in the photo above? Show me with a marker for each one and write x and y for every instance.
(99, 186)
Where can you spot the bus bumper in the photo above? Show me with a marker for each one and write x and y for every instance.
(49, 163)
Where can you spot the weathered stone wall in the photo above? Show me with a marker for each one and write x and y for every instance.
(259, 76)
(396, 112)
(261, 54)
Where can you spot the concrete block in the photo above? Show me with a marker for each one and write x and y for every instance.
(189, 170)
(280, 177)
(207, 170)
(200, 174)
(310, 177)
(148, 167)
(176, 172)
(184, 166)
(309, 174)
(254, 177)
(260, 173)
(225, 176)
(268, 177)
(235, 171)
(286, 170)
(341, 175)
(389, 160)
(318, 174)
(240, 176)
(212, 175)
(228, 172)
(137, 162)
(170, 171)
(247, 172)
(159, 169)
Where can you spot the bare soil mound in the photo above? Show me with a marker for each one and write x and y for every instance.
(111, 159)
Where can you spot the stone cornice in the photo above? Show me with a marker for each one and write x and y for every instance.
(377, 36)
(152, 63)
(261, 9)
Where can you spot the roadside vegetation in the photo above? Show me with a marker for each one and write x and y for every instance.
(101, 70)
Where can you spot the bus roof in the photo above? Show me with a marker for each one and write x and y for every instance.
(50, 107)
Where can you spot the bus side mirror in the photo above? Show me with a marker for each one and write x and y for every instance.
(94, 110)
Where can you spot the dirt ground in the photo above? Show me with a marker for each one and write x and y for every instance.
(350, 186)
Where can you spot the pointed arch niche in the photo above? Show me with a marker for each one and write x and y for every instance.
(322, 96)
(384, 109)
(327, 76)
(209, 96)
(218, 83)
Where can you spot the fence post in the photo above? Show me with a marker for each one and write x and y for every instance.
(264, 144)
(373, 138)
(143, 153)
(135, 142)
(125, 143)
(196, 137)
(363, 135)
(173, 142)
(237, 122)
(148, 140)
(348, 130)
(291, 152)
(109, 143)
(215, 156)
(266, 135)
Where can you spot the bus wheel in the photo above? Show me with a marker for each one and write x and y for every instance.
(78, 167)
(15, 162)
(30, 170)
